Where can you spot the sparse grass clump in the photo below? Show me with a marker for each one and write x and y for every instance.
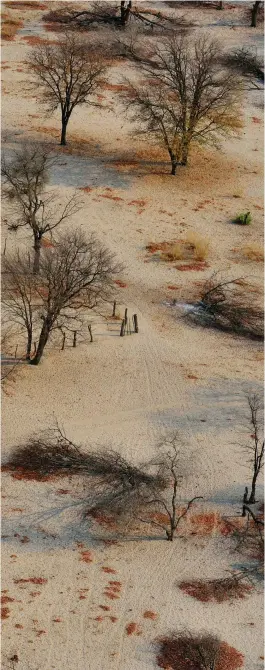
(193, 247)
(253, 252)
(243, 219)
(9, 27)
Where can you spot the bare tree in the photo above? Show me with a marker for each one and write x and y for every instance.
(114, 488)
(254, 13)
(75, 276)
(25, 176)
(18, 294)
(204, 651)
(157, 504)
(185, 97)
(67, 74)
(117, 15)
(256, 449)
(247, 63)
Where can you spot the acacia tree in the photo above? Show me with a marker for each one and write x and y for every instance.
(185, 96)
(25, 177)
(73, 277)
(18, 294)
(256, 450)
(68, 75)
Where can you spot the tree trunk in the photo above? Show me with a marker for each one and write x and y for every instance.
(185, 153)
(254, 14)
(29, 344)
(63, 132)
(221, 5)
(37, 248)
(43, 339)
(125, 12)
(252, 497)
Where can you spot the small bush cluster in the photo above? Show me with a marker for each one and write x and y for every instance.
(193, 247)
(203, 652)
(243, 219)
(253, 252)
(216, 590)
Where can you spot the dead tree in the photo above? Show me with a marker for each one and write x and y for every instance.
(25, 178)
(256, 450)
(185, 97)
(18, 295)
(254, 14)
(76, 276)
(68, 74)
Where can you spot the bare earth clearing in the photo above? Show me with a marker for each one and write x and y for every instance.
(69, 597)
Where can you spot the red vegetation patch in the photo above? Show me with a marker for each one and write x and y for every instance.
(111, 595)
(6, 599)
(192, 377)
(173, 287)
(116, 198)
(24, 474)
(133, 628)
(24, 5)
(105, 608)
(41, 632)
(148, 614)
(31, 580)
(34, 39)
(58, 620)
(5, 612)
(216, 590)
(86, 189)
(255, 119)
(175, 654)
(113, 619)
(109, 570)
(120, 283)
(34, 593)
(102, 519)
(47, 243)
(63, 492)
(107, 86)
(201, 265)
(138, 203)
(86, 557)
(18, 625)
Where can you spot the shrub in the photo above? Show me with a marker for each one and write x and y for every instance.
(244, 219)
(216, 590)
(203, 652)
(253, 252)
(199, 244)
(192, 247)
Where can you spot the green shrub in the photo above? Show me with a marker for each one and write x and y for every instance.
(244, 219)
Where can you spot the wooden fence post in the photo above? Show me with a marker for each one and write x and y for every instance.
(74, 340)
(90, 332)
(125, 315)
(16, 351)
(4, 252)
(122, 331)
(63, 342)
(114, 308)
(135, 323)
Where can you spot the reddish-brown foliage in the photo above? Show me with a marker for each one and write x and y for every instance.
(6, 599)
(34, 39)
(5, 612)
(173, 656)
(58, 620)
(116, 198)
(18, 625)
(109, 570)
(31, 580)
(216, 590)
(106, 608)
(148, 614)
(35, 593)
(201, 265)
(115, 583)
(173, 287)
(63, 491)
(113, 619)
(86, 189)
(120, 283)
(86, 557)
(131, 628)
(111, 595)
(24, 5)
(24, 474)
(99, 619)
(140, 203)
(102, 518)
(41, 632)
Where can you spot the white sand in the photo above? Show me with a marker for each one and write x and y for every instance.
(128, 392)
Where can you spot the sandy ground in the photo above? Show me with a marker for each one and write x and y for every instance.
(129, 392)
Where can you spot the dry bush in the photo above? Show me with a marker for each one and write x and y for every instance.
(183, 651)
(229, 306)
(253, 252)
(194, 247)
(216, 590)
(9, 28)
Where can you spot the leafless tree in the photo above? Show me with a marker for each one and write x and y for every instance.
(185, 96)
(67, 74)
(114, 488)
(204, 651)
(117, 15)
(247, 63)
(226, 305)
(157, 504)
(18, 294)
(256, 449)
(75, 276)
(254, 13)
(25, 177)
